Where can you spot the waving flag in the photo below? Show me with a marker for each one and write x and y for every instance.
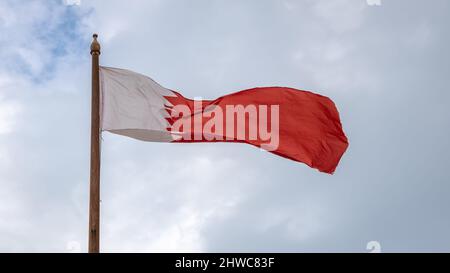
(291, 123)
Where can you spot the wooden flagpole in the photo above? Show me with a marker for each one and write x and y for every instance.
(94, 194)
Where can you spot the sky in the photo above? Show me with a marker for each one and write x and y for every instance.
(384, 63)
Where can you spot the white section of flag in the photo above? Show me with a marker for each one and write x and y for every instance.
(133, 105)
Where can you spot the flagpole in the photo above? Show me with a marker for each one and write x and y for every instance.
(94, 194)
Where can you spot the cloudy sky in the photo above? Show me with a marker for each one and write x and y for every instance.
(386, 67)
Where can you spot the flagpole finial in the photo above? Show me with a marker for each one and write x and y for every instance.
(95, 46)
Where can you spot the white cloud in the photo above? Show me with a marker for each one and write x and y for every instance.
(340, 16)
(8, 112)
(9, 108)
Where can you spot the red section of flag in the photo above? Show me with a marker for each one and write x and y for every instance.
(309, 128)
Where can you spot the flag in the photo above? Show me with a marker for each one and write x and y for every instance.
(295, 124)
